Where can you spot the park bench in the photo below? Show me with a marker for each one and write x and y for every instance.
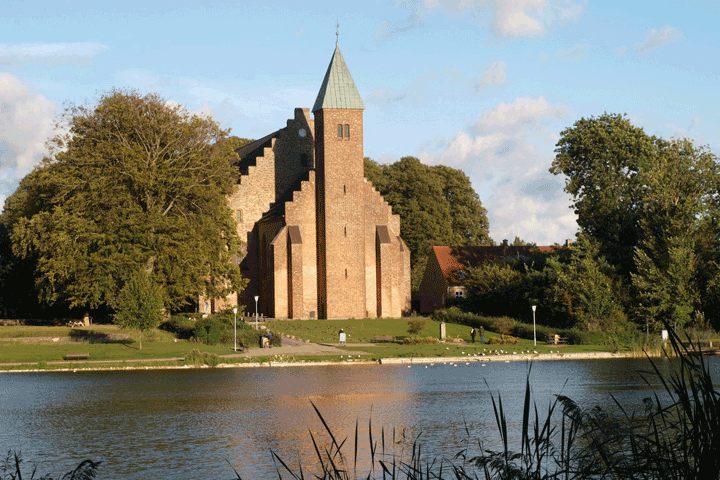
(383, 339)
(557, 340)
(76, 356)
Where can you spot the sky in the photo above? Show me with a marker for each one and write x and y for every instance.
(485, 86)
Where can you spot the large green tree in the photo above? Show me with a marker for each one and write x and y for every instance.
(134, 183)
(602, 159)
(650, 203)
(437, 206)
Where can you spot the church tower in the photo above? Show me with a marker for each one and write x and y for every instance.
(341, 275)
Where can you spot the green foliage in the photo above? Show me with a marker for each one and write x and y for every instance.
(585, 289)
(416, 340)
(415, 326)
(209, 331)
(502, 340)
(140, 304)
(455, 315)
(503, 325)
(196, 357)
(436, 204)
(182, 326)
(134, 183)
(652, 206)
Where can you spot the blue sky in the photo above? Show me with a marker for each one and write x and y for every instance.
(484, 86)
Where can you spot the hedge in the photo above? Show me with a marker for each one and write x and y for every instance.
(520, 330)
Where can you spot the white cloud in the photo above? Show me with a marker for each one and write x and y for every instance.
(78, 53)
(514, 18)
(507, 153)
(27, 120)
(658, 38)
(494, 74)
(508, 18)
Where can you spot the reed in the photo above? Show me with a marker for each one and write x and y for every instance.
(677, 438)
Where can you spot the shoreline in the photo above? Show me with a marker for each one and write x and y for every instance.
(382, 361)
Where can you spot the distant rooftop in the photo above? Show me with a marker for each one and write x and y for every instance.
(338, 89)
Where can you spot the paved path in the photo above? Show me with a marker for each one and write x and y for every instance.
(292, 346)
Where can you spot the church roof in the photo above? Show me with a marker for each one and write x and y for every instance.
(338, 89)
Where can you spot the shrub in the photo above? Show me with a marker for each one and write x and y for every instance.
(140, 304)
(208, 331)
(415, 340)
(503, 340)
(415, 326)
(196, 357)
(182, 326)
(503, 325)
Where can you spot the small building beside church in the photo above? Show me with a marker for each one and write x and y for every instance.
(321, 241)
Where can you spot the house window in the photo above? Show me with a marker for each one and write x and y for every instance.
(347, 131)
(459, 294)
(340, 130)
(460, 274)
(238, 215)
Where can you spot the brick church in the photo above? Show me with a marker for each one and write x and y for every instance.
(321, 241)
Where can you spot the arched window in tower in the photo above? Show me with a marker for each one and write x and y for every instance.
(346, 273)
(340, 130)
(346, 230)
(344, 189)
(347, 131)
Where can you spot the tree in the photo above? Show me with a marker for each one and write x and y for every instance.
(140, 304)
(585, 289)
(649, 203)
(437, 206)
(681, 189)
(133, 183)
(602, 159)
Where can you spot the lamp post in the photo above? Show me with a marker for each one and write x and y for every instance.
(235, 318)
(534, 335)
(256, 315)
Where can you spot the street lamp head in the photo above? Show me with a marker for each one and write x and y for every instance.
(257, 298)
(534, 307)
(234, 309)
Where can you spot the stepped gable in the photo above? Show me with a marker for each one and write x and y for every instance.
(249, 153)
(277, 209)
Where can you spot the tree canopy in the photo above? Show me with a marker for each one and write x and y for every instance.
(133, 183)
(651, 205)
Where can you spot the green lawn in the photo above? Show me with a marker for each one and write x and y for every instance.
(364, 330)
(361, 330)
(162, 345)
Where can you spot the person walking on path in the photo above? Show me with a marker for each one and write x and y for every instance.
(342, 337)
(472, 334)
(482, 335)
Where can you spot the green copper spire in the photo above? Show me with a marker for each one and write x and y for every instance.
(338, 89)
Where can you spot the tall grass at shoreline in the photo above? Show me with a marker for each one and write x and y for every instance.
(677, 439)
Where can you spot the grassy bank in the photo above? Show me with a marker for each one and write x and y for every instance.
(38, 347)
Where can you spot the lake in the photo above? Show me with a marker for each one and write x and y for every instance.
(186, 424)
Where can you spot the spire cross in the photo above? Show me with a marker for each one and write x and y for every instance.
(337, 33)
